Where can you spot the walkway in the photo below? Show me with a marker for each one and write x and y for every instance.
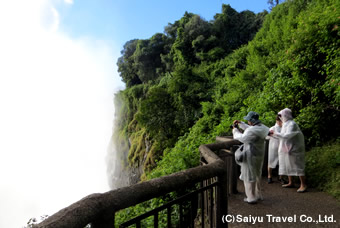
(285, 203)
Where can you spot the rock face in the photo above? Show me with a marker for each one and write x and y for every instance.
(120, 173)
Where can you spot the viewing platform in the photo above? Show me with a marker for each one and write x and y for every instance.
(218, 202)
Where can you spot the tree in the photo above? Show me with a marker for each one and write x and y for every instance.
(191, 33)
(157, 114)
(147, 57)
(233, 29)
(273, 3)
(126, 66)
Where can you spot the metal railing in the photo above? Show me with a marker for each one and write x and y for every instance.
(191, 197)
(99, 209)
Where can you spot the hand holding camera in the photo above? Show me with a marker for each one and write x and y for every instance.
(235, 124)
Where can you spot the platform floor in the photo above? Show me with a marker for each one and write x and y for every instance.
(283, 203)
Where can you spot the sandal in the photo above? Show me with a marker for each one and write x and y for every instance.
(250, 202)
(302, 190)
(288, 186)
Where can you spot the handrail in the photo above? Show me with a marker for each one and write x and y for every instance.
(167, 205)
(99, 208)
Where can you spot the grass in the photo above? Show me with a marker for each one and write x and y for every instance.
(323, 168)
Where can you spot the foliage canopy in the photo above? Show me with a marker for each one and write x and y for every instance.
(185, 86)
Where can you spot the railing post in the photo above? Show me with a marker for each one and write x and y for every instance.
(222, 195)
(169, 216)
(202, 207)
(234, 168)
(107, 220)
(192, 224)
(155, 220)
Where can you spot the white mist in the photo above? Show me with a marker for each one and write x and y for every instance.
(56, 101)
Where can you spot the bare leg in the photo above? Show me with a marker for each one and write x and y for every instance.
(269, 172)
(270, 180)
(290, 182)
(303, 182)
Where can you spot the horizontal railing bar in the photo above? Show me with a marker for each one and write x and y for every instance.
(163, 207)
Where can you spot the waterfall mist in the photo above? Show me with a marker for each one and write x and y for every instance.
(56, 113)
(116, 175)
(119, 173)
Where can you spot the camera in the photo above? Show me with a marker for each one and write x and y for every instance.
(235, 125)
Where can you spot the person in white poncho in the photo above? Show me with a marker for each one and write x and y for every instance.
(252, 154)
(273, 147)
(291, 150)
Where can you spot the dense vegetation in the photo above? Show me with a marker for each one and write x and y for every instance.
(170, 75)
(185, 86)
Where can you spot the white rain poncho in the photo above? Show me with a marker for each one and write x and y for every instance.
(254, 148)
(273, 148)
(291, 147)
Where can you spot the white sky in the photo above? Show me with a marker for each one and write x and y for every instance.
(56, 112)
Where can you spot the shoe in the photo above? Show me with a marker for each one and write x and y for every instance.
(302, 190)
(283, 181)
(250, 202)
(270, 180)
(288, 186)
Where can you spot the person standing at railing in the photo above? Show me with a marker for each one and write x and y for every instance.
(291, 150)
(250, 155)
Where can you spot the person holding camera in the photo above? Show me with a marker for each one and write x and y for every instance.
(291, 150)
(251, 155)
